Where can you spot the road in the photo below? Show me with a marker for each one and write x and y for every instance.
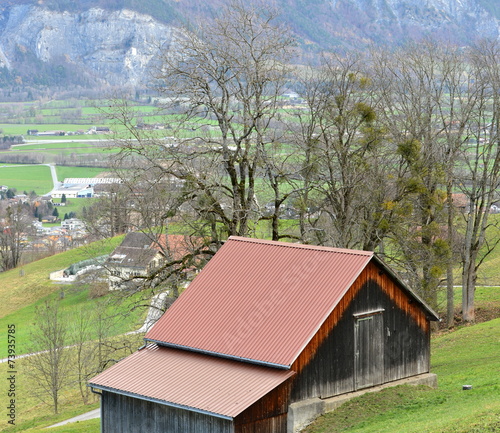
(53, 173)
(96, 413)
(93, 140)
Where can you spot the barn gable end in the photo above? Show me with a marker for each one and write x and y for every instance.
(378, 333)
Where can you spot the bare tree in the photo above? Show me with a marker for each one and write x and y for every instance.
(50, 367)
(109, 215)
(412, 92)
(83, 351)
(224, 80)
(480, 172)
(13, 234)
(344, 158)
(456, 108)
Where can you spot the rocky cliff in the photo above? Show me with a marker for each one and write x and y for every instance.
(393, 21)
(116, 46)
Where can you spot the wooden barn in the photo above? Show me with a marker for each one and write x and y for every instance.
(266, 331)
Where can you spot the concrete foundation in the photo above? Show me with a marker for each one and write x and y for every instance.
(302, 413)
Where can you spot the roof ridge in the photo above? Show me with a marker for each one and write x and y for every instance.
(301, 246)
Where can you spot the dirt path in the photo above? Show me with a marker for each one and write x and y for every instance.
(96, 413)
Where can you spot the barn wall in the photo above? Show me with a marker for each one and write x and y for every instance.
(327, 366)
(275, 424)
(122, 414)
(267, 415)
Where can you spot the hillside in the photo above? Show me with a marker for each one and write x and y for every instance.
(97, 42)
(448, 409)
(408, 409)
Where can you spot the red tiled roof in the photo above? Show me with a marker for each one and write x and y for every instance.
(176, 246)
(190, 380)
(260, 301)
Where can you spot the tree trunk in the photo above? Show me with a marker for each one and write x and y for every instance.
(468, 290)
(450, 296)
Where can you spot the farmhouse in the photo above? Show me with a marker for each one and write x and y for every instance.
(136, 256)
(263, 339)
(139, 255)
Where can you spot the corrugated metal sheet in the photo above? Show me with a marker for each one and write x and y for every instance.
(190, 380)
(260, 300)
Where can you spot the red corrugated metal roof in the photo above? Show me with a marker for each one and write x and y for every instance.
(190, 380)
(260, 300)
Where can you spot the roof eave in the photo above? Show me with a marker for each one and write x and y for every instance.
(431, 314)
(158, 401)
(218, 354)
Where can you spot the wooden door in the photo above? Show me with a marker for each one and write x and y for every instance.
(368, 351)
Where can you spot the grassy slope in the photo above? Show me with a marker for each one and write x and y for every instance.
(23, 286)
(470, 355)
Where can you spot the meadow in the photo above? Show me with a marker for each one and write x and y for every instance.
(26, 178)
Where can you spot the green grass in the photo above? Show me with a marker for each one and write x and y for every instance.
(26, 178)
(91, 426)
(64, 172)
(56, 146)
(72, 205)
(28, 284)
(76, 298)
(469, 356)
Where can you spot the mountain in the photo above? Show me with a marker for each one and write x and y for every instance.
(94, 42)
(94, 46)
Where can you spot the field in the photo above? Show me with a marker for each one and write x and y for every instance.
(38, 178)
(26, 178)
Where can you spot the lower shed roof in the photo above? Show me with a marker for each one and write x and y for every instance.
(193, 381)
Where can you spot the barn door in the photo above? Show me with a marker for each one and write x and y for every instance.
(368, 350)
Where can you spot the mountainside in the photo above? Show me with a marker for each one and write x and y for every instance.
(94, 46)
(48, 42)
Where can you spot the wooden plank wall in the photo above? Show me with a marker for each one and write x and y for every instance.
(123, 414)
(267, 415)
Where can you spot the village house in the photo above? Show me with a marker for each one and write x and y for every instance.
(136, 256)
(73, 224)
(49, 219)
(139, 255)
(265, 338)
